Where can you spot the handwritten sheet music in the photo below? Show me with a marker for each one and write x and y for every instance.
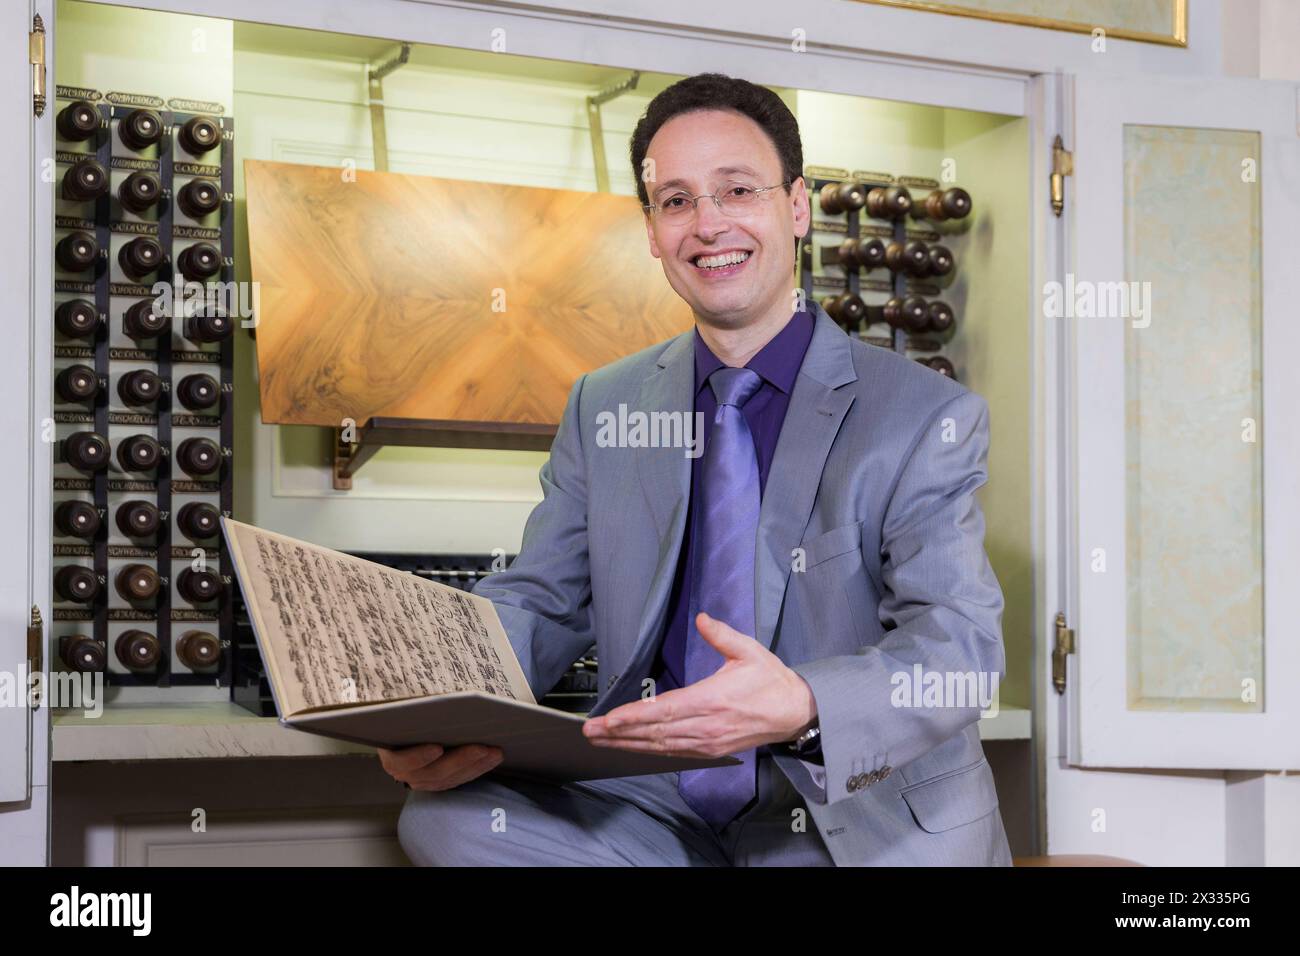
(341, 630)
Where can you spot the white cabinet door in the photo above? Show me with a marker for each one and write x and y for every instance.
(26, 197)
(23, 433)
(1184, 332)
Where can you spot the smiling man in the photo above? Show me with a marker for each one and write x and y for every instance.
(765, 599)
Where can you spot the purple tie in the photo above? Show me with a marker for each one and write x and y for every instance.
(722, 586)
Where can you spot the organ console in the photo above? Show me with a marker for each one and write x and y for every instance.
(187, 157)
(909, 257)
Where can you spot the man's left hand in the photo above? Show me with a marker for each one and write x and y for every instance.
(751, 700)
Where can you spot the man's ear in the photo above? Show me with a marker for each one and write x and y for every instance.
(650, 234)
(799, 205)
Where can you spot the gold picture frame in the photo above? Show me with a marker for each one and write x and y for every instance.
(1177, 35)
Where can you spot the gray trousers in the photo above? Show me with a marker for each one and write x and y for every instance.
(623, 821)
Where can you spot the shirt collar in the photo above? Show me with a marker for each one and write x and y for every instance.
(777, 362)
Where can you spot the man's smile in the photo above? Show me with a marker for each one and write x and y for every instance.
(727, 262)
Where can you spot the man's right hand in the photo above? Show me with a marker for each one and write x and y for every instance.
(430, 767)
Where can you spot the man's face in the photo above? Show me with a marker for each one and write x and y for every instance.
(696, 153)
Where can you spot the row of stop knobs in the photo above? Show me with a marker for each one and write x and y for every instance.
(141, 320)
(137, 388)
(913, 257)
(138, 519)
(894, 202)
(89, 452)
(139, 650)
(911, 313)
(135, 583)
(140, 257)
(139, 129)
(87, 180)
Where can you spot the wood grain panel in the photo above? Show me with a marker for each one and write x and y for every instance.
(377, 295)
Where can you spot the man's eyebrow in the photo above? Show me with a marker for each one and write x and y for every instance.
(721, 170)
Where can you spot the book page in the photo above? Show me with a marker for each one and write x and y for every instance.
(334, 629)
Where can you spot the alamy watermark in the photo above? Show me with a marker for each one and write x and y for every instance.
(637, 429)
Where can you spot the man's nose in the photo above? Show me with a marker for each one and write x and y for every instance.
(709, 219)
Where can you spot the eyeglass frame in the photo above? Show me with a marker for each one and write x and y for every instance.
(652, 209)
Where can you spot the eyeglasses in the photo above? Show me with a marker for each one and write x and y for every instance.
(732, 199)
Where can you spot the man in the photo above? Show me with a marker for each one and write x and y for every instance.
(775, 592)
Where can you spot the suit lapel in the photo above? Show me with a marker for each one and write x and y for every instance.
(812, 420)
(664, 474)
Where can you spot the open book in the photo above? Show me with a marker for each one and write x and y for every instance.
(363, 652)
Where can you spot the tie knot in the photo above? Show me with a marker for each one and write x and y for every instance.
(734, 386)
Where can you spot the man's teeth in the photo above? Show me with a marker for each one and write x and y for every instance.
(717, 262)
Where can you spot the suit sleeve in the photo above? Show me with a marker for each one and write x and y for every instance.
(941, 609)
(544, 597)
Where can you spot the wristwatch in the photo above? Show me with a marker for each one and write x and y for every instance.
(806, 741)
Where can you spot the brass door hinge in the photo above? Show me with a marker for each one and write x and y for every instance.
(1063, 648)
(36, 640)
(36, 54)
(1062, 166)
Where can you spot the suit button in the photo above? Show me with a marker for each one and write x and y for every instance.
(851, 784)
(885, 771)
(861, 781)
(873, 777)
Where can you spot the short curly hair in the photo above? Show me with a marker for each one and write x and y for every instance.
(714, 91)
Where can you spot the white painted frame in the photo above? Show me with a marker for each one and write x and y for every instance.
(1104, 732)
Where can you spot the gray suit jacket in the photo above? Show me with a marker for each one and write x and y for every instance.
(873, 478)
